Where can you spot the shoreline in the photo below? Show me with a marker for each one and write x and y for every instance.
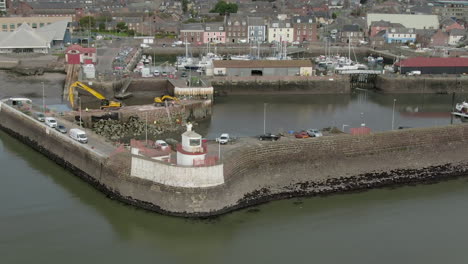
(260, 172)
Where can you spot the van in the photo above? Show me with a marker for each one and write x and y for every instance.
(19, 101)
(78, 135)
(51, 122)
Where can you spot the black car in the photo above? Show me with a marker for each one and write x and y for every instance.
(269, 136)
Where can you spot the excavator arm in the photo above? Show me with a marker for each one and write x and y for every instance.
(96, 94)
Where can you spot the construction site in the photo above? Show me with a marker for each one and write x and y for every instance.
(121, 110)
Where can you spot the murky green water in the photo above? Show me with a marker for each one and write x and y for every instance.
(49, 216)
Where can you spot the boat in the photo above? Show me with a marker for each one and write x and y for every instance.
(241, 57)
(462, 107)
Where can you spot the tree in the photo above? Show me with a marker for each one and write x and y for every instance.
(223, 8)
(185, 5)
(87, 22)
(121, 27)
(334, 15)
(102, 26)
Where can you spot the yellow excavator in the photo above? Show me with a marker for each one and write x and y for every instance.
(160, 100)
(105, 103)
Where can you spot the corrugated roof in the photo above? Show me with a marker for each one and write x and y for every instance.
(409, 21)
(56, 30)
(433, 62)
(261, 63)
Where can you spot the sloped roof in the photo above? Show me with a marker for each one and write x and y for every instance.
(457, 32)
(80, 49)
(24, 37)
(261, 63)
(350, 28)
(55, 30)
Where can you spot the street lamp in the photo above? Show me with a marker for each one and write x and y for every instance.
(393, 113)
(264, 118)
(146, 128)
(43, 98)
(79, 100)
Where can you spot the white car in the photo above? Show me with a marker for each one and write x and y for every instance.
(156, 73)
(223, 139)
(314, 132)
(161, 144)
(51, 122)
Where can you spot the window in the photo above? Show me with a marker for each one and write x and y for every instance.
(12, 26)
(194, 142)
(4, 26)
(34, 25)
(41, 24)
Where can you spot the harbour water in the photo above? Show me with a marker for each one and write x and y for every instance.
(50, 216)
(47, 215)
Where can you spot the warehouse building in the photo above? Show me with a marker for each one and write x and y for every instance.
(433, 65)
(26, 39)
(262, 68)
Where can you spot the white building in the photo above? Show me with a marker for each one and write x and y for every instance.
(456, 35)
(191, 151)
(25, 39)
(281, 31)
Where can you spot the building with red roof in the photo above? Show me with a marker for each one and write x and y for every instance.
(451, 65)
(76, 54)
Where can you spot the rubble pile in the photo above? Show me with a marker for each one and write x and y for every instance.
(116, 130)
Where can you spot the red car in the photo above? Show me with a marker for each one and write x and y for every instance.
(302, 134)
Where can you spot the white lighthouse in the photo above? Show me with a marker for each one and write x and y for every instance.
(191, 148)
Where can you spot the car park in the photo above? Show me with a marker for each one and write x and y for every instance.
(61, 128)
(51, 122)
(314, 132)
(39, 116)
(269, 136)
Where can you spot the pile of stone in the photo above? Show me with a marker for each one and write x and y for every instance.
(116, 130)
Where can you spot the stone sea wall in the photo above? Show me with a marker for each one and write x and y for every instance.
(281, 85)
(262, 171)
(421, 84)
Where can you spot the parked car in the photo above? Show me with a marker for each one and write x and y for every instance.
(164, 74)
(269, 136)
(156, 73)
(51, 122)
(301, 134)
(78, 135)
(161, 144)
(39, 116)
(314, 132)
(61, 128)
(183, 75)
(223, 139)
